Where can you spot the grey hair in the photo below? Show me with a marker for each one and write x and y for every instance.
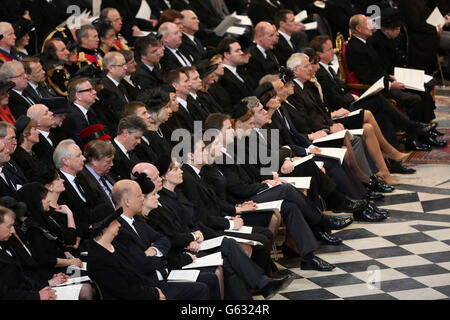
(8, 69)
(251, 102)
(164, 29)
(132, 124)
(111, 58)
(3, 26)
(62, 151)
(295, 60)
(3, 127)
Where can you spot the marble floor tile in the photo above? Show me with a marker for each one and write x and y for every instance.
(436, 205)
(316, 294)
(409, 238)
(385, 275)
(400, 285)
(437, 257)
(426, 247)
(354, 290)
(386, 252)
(308, 274)
(435, 280)
(404, 261)
(335, 281)
(369, 243)
(418, 294)
(409, 207)
(301, 285)
(357, 266)
(422, 270)
(442, 234)
(345, 256)
(431, 196)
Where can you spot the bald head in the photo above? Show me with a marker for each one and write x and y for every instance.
(127, 194)
(190, 22)
(265, 35)
(151, 171)
(42, 115)
(171, 35)
(360, 26)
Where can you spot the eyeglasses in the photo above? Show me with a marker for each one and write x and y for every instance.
(119, 65)
(23, 74)
(87, 90)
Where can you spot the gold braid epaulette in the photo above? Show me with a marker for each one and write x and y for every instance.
(82, 58)
(51, 36)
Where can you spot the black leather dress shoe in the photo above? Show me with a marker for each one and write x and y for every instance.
(337, 223)
(373, 195)
(316, 264)
(415, 145)
(280, 274)
(436, 133)
(276, 285)
(373, 207)
(397, 167)
(327, 238)
(432, 141)
(351, 205)
(367, 215)
(427, 127)
(377, 185)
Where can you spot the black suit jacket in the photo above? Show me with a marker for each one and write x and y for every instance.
(145, 78)
(18, 104)
(122, 164)
(96, 192)
(236, 88)
(183, 119)
(259, 66)
(208, 102)
(334, 91)
(117, 276)
(132, 88)
(363, 60)
(137, 243)
(145, 152)
(206, 13)
(204, 199)
(14, 284)
(260, 10)
(32, 166)
(194, 48)
(170, 62)
(43, 150)
(75, 122)
(81, 209)
(196, 110)
(283, 50)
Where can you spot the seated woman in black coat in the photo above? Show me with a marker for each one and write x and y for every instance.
(45, 232)
(112, 270)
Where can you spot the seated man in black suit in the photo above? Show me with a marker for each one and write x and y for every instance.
(69, 161)
(114, 95)
(129, 134)
(148, 248)
(37, 87)
(148, 51)
(132, 88)
(99, 160)
(236, 82)
(173, 57)
(190, 43)
(14, 172)
(263, 10)
(363, 60)
(19, 100)
(7, 185)
(45, 121)
(263, 60)
(183, 118)
(291, 36)
(82, 96)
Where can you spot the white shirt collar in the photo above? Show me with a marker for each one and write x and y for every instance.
(182, 102)
(128, 220)
(44, 133)
(189, 36)
(69, 177)
(122, 148)
(17, 91)
(361, 39)
(34, 86)
(326, 67)
(197, 171)
(285, 35)
(114, 81)
(83, 109)
(299, 83)
(149, 66)
(193, 95)
(231, 68)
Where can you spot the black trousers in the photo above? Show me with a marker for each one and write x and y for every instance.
(299, 214)
(419, 105)
(184, 290)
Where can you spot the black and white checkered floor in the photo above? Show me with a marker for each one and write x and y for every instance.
(405, 257)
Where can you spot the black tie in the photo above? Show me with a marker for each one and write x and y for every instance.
(122, 89)
(186, 61)
(135, 229)
(105, 183)
(330, 68)
(77, 183)
(91, 117)
(8, 179)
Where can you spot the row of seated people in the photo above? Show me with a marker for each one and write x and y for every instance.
(203, 199)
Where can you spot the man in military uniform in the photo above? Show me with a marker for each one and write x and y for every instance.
(7, 42)
(54, 60)
(87, 52)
